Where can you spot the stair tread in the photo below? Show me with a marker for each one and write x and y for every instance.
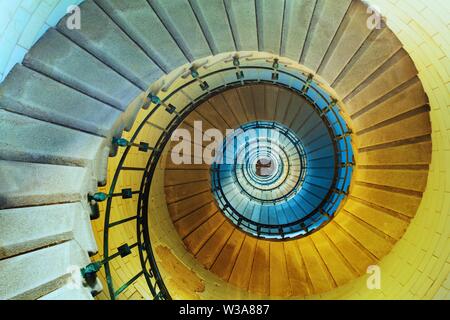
(242, 17)
(180, 20)
(28, 92)
(325, 23)
(400, 70)
(142, 24)
(111, 45)
(28, 184)
(214, 22)
(260, 275)
(298, 15)
(27, 229)
(269, 14)
(40, 272)
(406, 100)
(242, 269)
(68, 63)
(279, 276)
(375, 51)
(210, 251)
(37, 141)
(349, 38)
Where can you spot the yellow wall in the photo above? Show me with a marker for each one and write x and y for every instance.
(418, 267)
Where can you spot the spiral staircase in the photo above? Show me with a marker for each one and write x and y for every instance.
(89, 125)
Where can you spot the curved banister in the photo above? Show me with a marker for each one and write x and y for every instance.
(148, 263)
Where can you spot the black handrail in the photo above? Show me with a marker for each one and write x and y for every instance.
(149, 266)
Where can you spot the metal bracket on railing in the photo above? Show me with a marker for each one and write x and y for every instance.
(93, 200)
(203, 84)
(97, 197)
(343, 136)
(347, 164)
(156, 100)
(89, 273)
(329, 107)
(237, 65)
(275, 66)
(122, 142)
(324, 213)
(307, 83)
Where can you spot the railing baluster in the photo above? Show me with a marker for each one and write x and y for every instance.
(149, 267)
(129, 283)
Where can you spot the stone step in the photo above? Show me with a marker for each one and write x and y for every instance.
(259, 281)
(242, 270)
(349, 38)
(61, 59)
(112, 46)
(211, 250)
(319, 276)
(242, 17)
(213, 20)
(196, 218)
(415, 180)
(386, 223)
(31, 228)
(298, 275)
(401, 101)
(339, 269)
(381, 45)
(70, 293)
(376, 244)
(270, 24)
(414, 126)
(36, 274)
(32, 184)
(396, 72)
(141, 24)
(33, 94)
(418, 153)
(195, 240)
(326, 20)
(30, 140)
(297, 18)
(357, 255)
(181, 22)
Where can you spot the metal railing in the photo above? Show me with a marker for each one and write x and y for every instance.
(297, 81)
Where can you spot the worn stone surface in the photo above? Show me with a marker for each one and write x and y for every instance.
(40, 272)
(111, 45)
(139, 20)
(178, 18)
(214, 23)
(31, 228)
(375, 51)
(270, 23)
(27, 139)
(31, 184)
(61, 59)
(242, 17)
(30, 93)
(349, 38)
(298, 14)
(68, 292)
(325, 23)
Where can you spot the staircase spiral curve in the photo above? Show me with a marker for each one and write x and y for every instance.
(86, 122)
